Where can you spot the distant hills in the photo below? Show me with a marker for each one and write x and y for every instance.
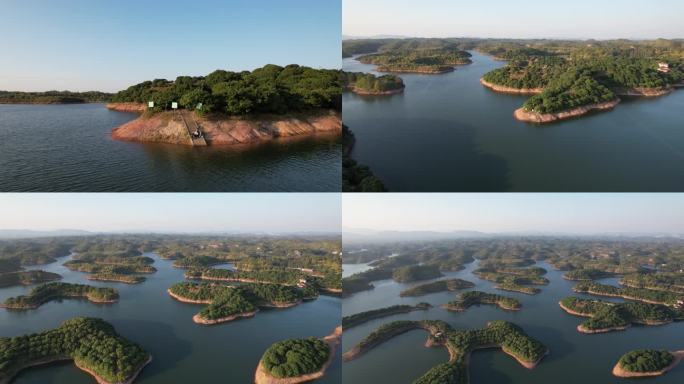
(361, 235)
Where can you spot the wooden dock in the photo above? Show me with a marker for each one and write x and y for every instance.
(192, 126)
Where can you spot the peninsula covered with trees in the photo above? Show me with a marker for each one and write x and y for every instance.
(514, 279)
(53, 97)
(607, 316)
(363, 317)
(235, 107)
(460, 343)
(572, 78)
(92, 344)
(55, 291)
(27, 278)
(228, 303)
(640, 294)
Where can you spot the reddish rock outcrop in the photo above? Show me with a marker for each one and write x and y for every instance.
(167, 127)
(535, 117)
(504, 89)
(127, 107)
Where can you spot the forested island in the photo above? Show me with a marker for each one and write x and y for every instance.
(411, 273)
(27, 278)
(670, 282)
(515, 279)
(371, 85)
(115, 262)
(646, 362)
(55, 291)
(640, 294)
(429, 56)
(295, 361)
(291, 277)
(235, 107)
(92, 344)
(460, 343)
(228, 303)
(587, 274)
(437, 286)
(573, 78)
(363, 317)
(468, 299)
(53, 97)
(356, 177)
(606, 316)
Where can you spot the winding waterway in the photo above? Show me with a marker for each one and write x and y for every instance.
(448, 133)
(183, 352)
(69, 148)
(574, 358)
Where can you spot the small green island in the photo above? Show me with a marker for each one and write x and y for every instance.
(460, 343)
(646, 362)
(639, 294)
(229, 302)
(295, 361)
(57, 291)
(368, 84)
(11, 279)
(92, 344)
(450, 285)
(607, 316)
(363, 317)
(588, 274)
(427, 56)
(513, 279)
(468, 299)
(661, 281)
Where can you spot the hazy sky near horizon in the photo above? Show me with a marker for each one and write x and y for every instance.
(172, 212)
(84, 45)
(581, 19)
(511, 212)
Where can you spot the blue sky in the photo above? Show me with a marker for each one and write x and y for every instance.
(110, 45)
(233, 212)
(511, 212)
(515, 19)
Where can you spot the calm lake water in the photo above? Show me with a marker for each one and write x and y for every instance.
(574, 358)
(449, 133)
(69, 148)
(183, 352)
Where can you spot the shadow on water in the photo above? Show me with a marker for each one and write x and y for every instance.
(475, 170)
(160, 340)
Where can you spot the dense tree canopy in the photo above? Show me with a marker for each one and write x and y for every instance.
(270, 89)
(368, 83)
(437, 286)
(91, 343)
(646, 360)
(295, 357)
(53, 291)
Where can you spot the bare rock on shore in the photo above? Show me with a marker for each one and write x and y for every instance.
(535, 117)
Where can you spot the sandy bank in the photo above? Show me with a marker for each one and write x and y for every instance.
(263, 377)
(644, 92)
(619, 372)
(511, 90)
(201, 320)
(167, 127)
(534, 117)
(130, 380)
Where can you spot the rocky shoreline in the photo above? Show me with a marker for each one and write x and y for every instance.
(100, 380)
(364, 92)
(511, 90)
(618, 371)
(542, 118)
(201, 320)
(127, 107)
(263, 377)
(222, 130)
